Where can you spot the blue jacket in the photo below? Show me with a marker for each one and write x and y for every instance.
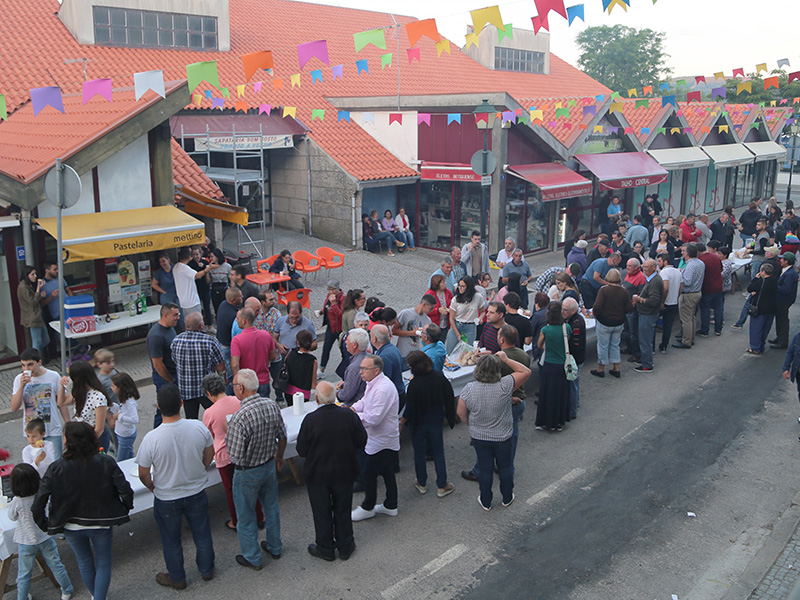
(392, 365)
(578, 255)
(437, 353)
(792, 361)
(787, 286)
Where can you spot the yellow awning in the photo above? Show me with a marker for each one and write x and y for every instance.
(121, 232)
(197, 204)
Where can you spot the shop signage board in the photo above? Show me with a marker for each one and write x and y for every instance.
(257, 142)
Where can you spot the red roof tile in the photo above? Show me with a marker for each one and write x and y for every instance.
(186, 172)
(642, 116)
(36, 59)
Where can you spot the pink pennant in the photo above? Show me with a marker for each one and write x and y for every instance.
(96, 87)
(700, 78)
(309, 50)
(412, 54)
(424, 118)
(693, 96)
(739, 72)
(257, 87)
(540, 23)
(628, 131)
(395, 118)
(264, 108)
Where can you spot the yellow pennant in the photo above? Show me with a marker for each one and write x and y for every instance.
(290, 111)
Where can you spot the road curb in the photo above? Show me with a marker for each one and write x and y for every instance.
(769, 552)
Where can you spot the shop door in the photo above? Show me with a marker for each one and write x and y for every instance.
(10, 332)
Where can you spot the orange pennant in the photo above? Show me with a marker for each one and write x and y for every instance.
(256, 60)
(417, 29)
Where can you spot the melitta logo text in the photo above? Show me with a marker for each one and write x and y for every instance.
(133, 245)
(184, 238)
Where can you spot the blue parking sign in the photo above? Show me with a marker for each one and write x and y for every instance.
(20, 252)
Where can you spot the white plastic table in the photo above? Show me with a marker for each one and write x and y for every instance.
(124, 321)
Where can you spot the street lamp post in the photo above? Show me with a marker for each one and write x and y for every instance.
(485, 115)
(795, 129)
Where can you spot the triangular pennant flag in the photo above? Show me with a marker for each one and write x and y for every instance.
(558, 104)
(631, 92)
(616, 107)
(368, 118)
(217, 103)
(664, 86)
(454, 118)
(424, 118)
(412, 54)
(642, 103)
(257, 87)
(783, 62)
(589, 110)
(648, 89)
(277, 84)
(254, 61)
(443, 46)
(583, 127)
(317, 113)
(241, 106)
(667, 100)
(562, 113)
(521, 118)
(705, 129)
(149, 80)
(693, 97)
(598, 129)
(416, 29)
(571, 103)
(309, 50)
(600, 98)
(616, 96)
(508, 116)
(754, 125)
(680, 82)
(376, 37)
(343, 115)
(771, 82)
(289, 111)
(386, 60)
(674, 130)
(226, 93)
(295, 80)
(723, 128)
(504, 33)
(719, 92)
(545, 6)
(472, 38)
(575, 12)
(700, 78)
(628, 131)
(537, 115)
(97, 87)
(645, 131)
(240, 91)
(719, 75)
(793, 76)
(197, 99)
(208, 94)
(3, 109)
(761, 67)
(610, 4)
(337, 71)
(738, 72)
(745, 86)
(540, 23)
(613, 129)
(199, 72)
(552, 124)
(264, 108)
(396, 118)
(482, 16)
(316, 75)
(362, 65)
(661, 130)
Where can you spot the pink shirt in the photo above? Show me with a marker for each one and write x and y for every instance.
(377, 410)
(253, 347)
(215, 417)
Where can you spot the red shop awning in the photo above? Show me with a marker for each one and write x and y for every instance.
(554, 180)
(432, 171)
(624, 169)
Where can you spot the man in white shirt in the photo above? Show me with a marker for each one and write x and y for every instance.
(185, 286)
(377, 410)
(672, 289)
(179, 452)
(506, 254)
(35, 391)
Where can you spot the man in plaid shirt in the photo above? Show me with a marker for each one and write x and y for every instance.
(268, 316)
(256, 440)
(196, 355)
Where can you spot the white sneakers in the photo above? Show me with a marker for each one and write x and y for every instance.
(359, 514)
(420, 488)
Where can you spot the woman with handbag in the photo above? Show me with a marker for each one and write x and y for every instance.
(301, 368)
(553, 408)
(764, 295)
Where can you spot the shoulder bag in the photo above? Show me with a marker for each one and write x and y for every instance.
(281, 383)
(570, 366)
(752, 310)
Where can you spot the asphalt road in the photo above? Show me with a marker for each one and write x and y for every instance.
(601, 509)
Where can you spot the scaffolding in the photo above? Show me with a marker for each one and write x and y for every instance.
(243, 146)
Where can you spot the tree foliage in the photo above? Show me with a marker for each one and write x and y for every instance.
(786, 90)
(622, 57)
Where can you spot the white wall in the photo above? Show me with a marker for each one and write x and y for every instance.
(124, 178)
(399, 139)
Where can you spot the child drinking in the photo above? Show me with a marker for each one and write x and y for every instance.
(125, 421)
(29, 538)
(104, 361)
(39, 453)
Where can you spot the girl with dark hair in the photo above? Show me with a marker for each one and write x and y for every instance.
(552, 410)
(466, 309)
(429, 400)
(285, 264)
(220, 277)
(84, 389)
(383, 315)
(125, 421)
(29, 538)
(88, 494)
(301, 366)
(30, 296)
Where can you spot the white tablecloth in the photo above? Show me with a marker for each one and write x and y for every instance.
(740, 263)
(124, 321)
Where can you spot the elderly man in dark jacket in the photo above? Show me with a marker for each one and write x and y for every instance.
(329, 439)
(787, 294)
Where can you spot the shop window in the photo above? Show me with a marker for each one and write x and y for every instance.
(8, 286)
(468, 211)
(577, 213)
(692, 202)
(713, 201)
(512, 59)
(516, 198)
(436, 214)
(537, 235)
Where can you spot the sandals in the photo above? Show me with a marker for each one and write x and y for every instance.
(229, 524)
(755, 352)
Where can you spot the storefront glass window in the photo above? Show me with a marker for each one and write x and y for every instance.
(436, 214)
(665, 198)
(468, 210)
(407, 198)
(516, 196)
(577, 213)
(691, 200)
(713, 199)
(8, 337)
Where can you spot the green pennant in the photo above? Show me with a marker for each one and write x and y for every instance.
(225, 92)
(504, 34)
(522, 118)
(375, 37)
(318, 113)
(199, 72)
(571, 103)
(642, 103)
(681, 82)
(562, 112)
(662, 130)
(755, 125)
(616, 96)
(386, 60)
(3, 110)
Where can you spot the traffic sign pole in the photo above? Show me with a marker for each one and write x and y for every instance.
(60, 253)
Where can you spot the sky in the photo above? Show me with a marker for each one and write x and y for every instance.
(702, 37)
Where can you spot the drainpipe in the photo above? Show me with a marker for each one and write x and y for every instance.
(27, 237)
(308, 166)
(353, 209)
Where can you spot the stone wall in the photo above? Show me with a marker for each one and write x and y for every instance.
(332, 192)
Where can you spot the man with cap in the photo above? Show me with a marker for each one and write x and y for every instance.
(787, 294)
(599, 251)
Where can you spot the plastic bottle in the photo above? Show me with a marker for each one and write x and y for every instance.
(144, 303)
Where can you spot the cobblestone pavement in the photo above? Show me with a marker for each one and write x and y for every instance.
(782, 577)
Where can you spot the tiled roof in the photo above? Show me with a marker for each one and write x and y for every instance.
(566, 129)
(37, 59)
(698, 115)
(30, 145)
(186, 172)
(642, 116)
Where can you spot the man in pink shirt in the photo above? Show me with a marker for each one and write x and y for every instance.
(377, 410)
(253, 349)
(215, 418)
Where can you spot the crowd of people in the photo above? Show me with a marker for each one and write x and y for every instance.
(353, 439)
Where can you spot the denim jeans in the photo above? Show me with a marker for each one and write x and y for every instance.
(516, 413)
(92, 548)
(488, 454)
(759, 331)
(647, 334)
(632, 340)
(226, 356)
(169, 518)
(58, 445)
(574, 394)
(743, 315)
(260, 483)
(470, 329)
(707, 302)
(427, 436)
(27, 558)
(40, 339)
(125, 447)
(409, 238)
(608, 344)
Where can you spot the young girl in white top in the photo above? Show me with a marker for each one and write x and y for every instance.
(29, 538)
(84, 389)
(127, 418)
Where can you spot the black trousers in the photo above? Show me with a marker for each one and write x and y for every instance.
(191, 407)
(327, 345)
(782, 324)
(331, 506)
(380, 464)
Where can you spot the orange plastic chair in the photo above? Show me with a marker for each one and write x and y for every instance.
(302, 295)
(330, 258)
(266, 263)
(305, 262)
